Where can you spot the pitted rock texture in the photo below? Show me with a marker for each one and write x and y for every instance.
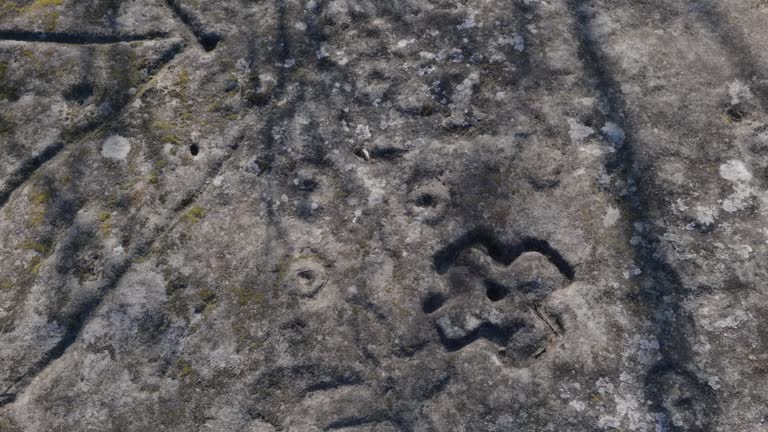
(398, 215)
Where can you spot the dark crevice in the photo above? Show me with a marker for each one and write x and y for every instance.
(307, 185)
(662, 288)
(362, 153)
(80, 92)
(444, 258)
(166, 58)
(369, 307)
(409, 351)
(734, 113)
(426, 200)
(499, 335)
(349, 422)
(543, 185)
(209, 40)
(27, 168)
(307, 275)
(385, 153)
(543, 318)
(422, 111)
(7, 398)
(499, 251)
(388, 153)
(299, 381)
(343, 380)
(531, 244)
(432, 303)
(75, 38)
(494, 291)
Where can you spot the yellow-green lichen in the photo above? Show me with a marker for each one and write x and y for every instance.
(195, 214)
(207, 295)
(34, 7)
(7, 123)
(39, 4)
(39, 198)
(163, 125)
(185, 369)
(113, 201)
(245, 296)
(12, 6)
(170, 139)
(214, 106)
(50, 20)
(153, 179)
(7, 91)
(42, 249)
(106, 223)
(35, 263)
(183, 79)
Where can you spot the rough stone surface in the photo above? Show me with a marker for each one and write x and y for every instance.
(400, 215)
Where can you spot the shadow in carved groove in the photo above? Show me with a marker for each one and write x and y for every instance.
(500, 252)
(209, 40)
(505, 254)
(76, 38)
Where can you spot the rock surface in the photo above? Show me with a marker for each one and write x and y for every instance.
(401, 215)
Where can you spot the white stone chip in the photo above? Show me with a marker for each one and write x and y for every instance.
(735, 171)
(116, 147)
(612, 216)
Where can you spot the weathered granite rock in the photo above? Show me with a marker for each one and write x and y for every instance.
(402, 215)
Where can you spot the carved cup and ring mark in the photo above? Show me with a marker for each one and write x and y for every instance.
(498, 293)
